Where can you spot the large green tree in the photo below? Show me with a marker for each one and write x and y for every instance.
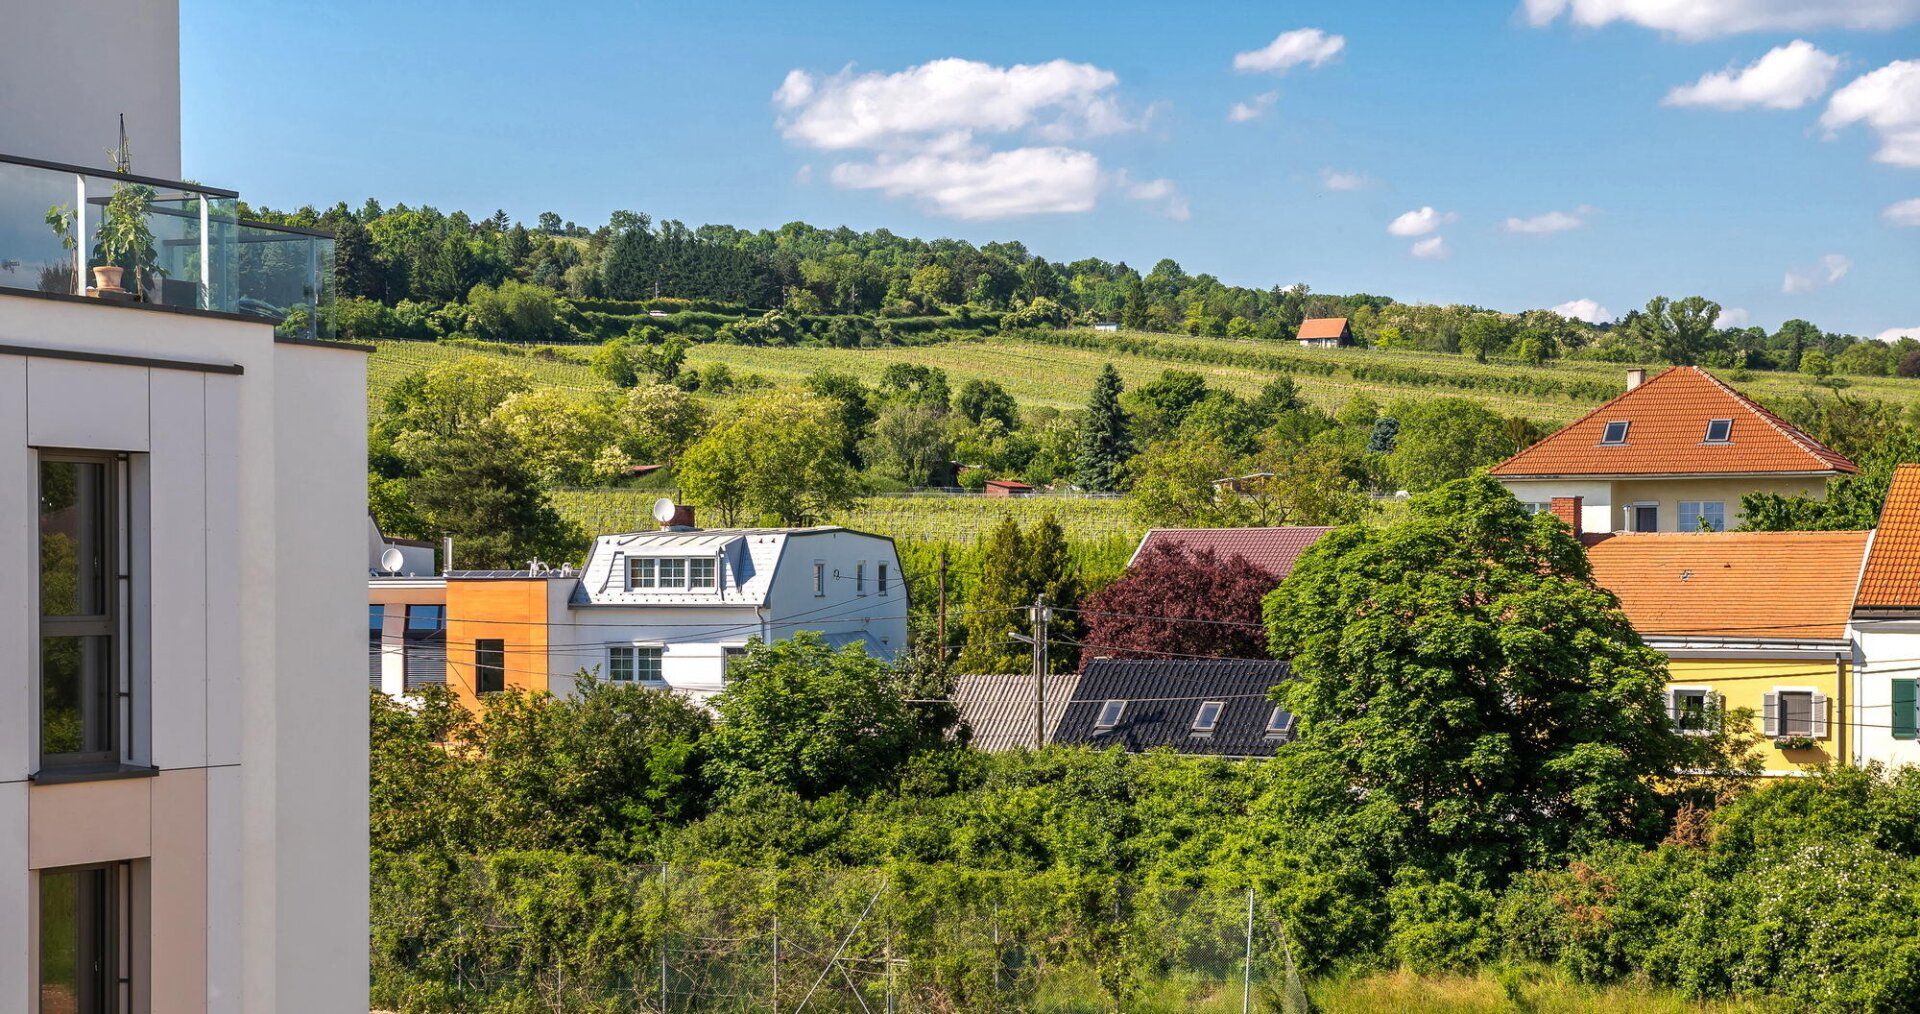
(1106, 440)
(1680, 331)
(779, 457)
(1461, 666)
(476, 486)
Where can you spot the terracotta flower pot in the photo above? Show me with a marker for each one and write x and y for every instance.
(106, 277)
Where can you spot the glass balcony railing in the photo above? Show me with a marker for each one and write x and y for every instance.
(87, 232)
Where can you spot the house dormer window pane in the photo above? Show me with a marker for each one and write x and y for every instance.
(1207, 718)
(673, 573)
(1110, 713)
(700, 573)
(642, 574)
(860, 578)
(1719, 431)
(880, 578)
(1616, 432)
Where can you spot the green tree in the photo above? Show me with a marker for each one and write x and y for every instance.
(1679, 331)
(1816, 363)
(1851, 502)
(1106, 440)
(568, 439)
(911, 443)
(475, 486)
(1133, 314)
(1462, 668)
(447, 397)
(996, 602)
(777, 456)
(1441, 439)
(657, 423)
(980, 400)
(1159, 406)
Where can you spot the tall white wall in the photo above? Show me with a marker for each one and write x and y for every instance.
(1886, 650)
(69, 68)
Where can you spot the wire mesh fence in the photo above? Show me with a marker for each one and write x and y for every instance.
(551, 933)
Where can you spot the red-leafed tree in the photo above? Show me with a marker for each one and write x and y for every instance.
(1172, 603)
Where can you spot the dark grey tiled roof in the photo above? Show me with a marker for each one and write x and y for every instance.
(1165, 695)
(999, 708)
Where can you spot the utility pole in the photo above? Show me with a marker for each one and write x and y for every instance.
(1041, 615)
(942, 638)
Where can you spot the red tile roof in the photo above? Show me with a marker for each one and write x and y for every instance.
(1273, 550)
(1322, 327)
(1739, 585)
(1666, 435)
(1892, 576)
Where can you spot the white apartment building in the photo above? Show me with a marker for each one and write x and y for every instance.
(183, 775)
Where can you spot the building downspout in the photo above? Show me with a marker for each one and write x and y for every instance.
(1846, 722)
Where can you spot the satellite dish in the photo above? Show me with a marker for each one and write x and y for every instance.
(664, 510)
(392, 560)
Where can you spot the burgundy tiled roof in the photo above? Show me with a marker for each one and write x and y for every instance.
(1273, 550)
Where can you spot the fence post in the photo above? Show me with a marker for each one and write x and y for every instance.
(776, 963)
(664, 1008)
(1246, 975)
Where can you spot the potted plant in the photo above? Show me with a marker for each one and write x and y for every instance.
(126, 240)
(1793, 742)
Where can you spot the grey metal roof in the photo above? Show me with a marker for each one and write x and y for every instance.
(999, 707)
(1163, 697)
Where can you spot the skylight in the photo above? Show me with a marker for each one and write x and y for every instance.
(1616, 432)
(1719, 431)
(1280, 723)
(1207, 718)
(1110, 713)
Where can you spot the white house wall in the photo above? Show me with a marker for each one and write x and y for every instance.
(1887, 650)
(1596, 507)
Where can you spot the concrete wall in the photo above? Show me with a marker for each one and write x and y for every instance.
(69, 68)
(252, 839)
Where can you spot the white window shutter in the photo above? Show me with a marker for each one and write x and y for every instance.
(1673, 706)
(1819, 716)
(1770, 714)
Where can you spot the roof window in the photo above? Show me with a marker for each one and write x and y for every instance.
(1279, 724)
(1110, 713)
(1207, 718)
(1719, 431)
(1616, 432)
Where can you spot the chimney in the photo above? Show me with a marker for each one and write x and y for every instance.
(682, 517)
(1635, 378)
(1567, 509)
(446, 556)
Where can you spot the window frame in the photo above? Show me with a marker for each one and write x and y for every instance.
(1699, 511)
(1101, 721)
(730, 654)
(113, 908)
(819, 579)
(110, 626)
(1633, 515)
(1279, 722)
(1707, 705)
(1607, 439)
(711, 565)
(860, 577)
(1818, 702)
(676, 564)
(651, 580)
(880, 577)
(1205, 722)
(1726, 437)
(496, 646)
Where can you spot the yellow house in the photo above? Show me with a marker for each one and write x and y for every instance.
(1753, 621)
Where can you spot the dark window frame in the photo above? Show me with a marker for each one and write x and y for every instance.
(489, 660)
(1102, 723)
(1725, 437)
(114, 538)
(107, 914)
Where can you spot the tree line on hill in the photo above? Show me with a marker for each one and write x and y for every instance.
(406, 271)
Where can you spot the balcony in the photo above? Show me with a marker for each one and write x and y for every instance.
(132, 239)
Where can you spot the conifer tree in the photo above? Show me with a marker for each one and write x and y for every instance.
(1106, 443)
(994, 604)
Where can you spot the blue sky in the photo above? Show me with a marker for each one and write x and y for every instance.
(1115, 138)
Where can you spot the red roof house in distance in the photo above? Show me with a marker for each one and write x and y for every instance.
(1273, 550)
(1324, 332)
(1008, 487)
(1672, 454)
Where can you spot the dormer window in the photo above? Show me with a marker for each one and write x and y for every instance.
(1207, 718)
(1719, 431)
(1109, 717)
(642, 572)
(1616, 432)
(1279, 724)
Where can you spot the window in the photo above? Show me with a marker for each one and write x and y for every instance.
(82, 535)
(1109, 716)
(730, 656)
(1279, 724)
(819, 577)
(423, 655)
(860, 578)
(700, 572)
(1616, 432)
(1719, 431)
(880, 577)
(673, 573)
(1906, 717)
(1795, 713)
(1703, 516)
(376, 619)
(1537, 506)
(489, 665)
(1643, 517)
(633, 663)
(641, 573)
(1207, 718)
(1691, 710)
(84, 933)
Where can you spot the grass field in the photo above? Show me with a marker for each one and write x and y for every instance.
(1045, 373)
(917, 519)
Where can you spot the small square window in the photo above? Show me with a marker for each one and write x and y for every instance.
(1703, 516)
(1719, 431)
(1110, 713)
(700, 573)
(1207, 718)
(673, 573)
(642, 573)
(1279, 724)
(1616, 432)
(1690, 709)
(730, 656)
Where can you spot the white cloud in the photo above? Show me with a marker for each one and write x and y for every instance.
(1733, 316)
(1894, 334)
(980, 185)
(1550, 222)
(1905, 212)
(1419, 223)
(1699, 19)
(1888, 100)
(1334, 179)
(927, 134)
(1788, 77)
(1432, 248)
(1309, 46)
(1583, 309)
(1831, 269)
(1253, 108)
(1162, 191)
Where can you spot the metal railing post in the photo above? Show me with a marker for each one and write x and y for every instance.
(1246, 975)
(79, 235)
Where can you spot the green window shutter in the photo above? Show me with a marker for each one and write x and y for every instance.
(1903, 709)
